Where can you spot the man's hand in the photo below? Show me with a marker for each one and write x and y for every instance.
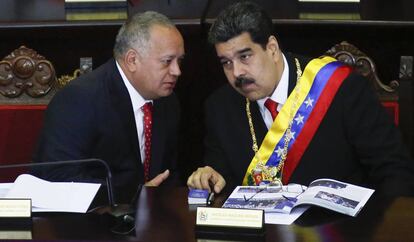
(156, 181)
(203, 177)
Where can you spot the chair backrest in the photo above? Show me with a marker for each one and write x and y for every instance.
(387, 93)
(27, 83)
(20, 125)
(26, 77)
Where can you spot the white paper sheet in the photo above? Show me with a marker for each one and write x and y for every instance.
(4, 189)
(54, 196)
(285, 218)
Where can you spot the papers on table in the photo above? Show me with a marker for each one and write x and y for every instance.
(51, 196)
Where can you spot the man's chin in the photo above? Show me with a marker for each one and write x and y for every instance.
(253, 99)
(167, 92)
(252, 96)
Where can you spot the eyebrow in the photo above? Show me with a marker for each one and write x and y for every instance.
(173, 56)
(242, 51)
(239, 52)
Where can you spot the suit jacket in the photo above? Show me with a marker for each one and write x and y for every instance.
(92, 117)
(356, 141)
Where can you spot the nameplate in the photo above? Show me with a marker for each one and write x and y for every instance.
(228, 217)
(15, 208)
(16, 234)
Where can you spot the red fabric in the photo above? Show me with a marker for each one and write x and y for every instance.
(147, 109)
(393, 109)
(19, 128)
(272, 107)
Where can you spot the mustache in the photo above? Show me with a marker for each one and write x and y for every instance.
(240, 81)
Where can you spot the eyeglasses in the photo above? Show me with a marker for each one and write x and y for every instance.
(292, 188)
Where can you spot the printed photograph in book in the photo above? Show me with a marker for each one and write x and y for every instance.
(331, 194)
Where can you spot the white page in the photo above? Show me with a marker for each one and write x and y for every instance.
(336, 195)
(4, 189)
(285, 218)
(54, 196)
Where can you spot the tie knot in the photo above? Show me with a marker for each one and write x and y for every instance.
(147, 107)
(272, 107)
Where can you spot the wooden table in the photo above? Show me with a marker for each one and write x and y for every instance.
(164, 215)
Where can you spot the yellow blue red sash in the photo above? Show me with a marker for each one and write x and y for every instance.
(305, 107)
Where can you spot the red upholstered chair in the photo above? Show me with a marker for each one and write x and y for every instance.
(27, 82)
(388, 94)
(20, 126)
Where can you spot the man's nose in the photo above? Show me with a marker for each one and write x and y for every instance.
(238, 69)
(175, 69)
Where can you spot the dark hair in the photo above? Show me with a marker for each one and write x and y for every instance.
(239, 18)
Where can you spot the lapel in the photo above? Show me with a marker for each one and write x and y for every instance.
(292, 71)
(123, 106)
(259, 126)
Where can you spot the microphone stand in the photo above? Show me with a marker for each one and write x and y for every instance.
(125, 221)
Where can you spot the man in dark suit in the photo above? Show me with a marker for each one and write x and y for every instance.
(101, 114)
(288, 119)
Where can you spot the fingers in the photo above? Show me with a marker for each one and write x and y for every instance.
(156, 181)
(219, 184)
(194, 181)
(203, 177)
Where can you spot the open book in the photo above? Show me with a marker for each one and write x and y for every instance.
(331, 194)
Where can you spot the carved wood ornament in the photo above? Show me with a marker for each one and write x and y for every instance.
(25, 71)
(365, 66)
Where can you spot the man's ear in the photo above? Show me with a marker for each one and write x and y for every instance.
(132, 60)
(272, 47)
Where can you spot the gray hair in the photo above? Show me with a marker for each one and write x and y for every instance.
(135, 32)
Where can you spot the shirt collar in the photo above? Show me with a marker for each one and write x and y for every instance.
(137, 100)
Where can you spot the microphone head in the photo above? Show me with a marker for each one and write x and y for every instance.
(120, 210)
(128, 218)
(124, 215)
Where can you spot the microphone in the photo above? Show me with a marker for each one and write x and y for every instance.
(66, 162)
(123, 213)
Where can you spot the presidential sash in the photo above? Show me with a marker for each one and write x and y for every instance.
(297, 122)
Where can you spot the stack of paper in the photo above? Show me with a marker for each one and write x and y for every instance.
(52, 196)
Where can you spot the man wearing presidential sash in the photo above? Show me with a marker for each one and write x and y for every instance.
(288, 119)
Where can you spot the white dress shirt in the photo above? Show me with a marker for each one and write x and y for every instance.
(279, 95)
(137, 102)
